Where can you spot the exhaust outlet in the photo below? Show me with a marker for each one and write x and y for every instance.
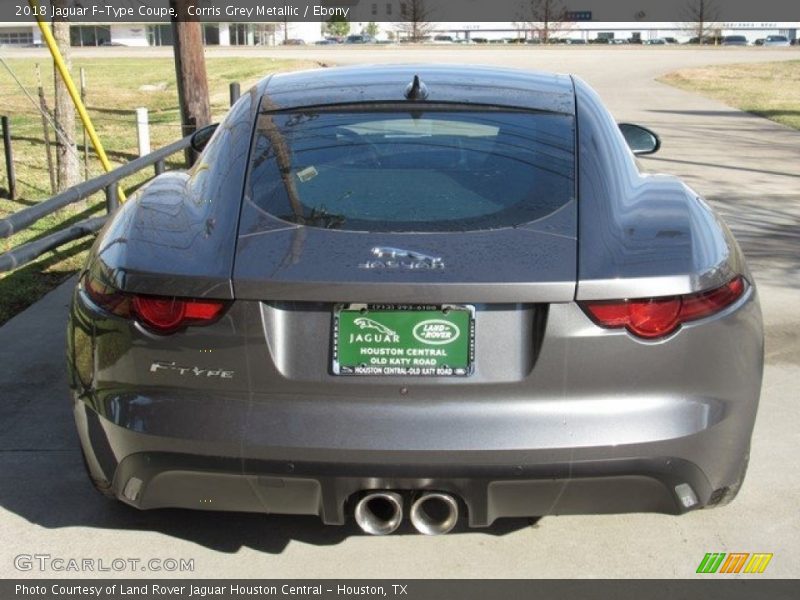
(434, 513)
(379, 513)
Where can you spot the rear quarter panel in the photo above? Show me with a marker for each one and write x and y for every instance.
(177, 234)
(641, 235)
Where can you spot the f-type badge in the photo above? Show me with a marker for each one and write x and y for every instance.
(161, 365)
(397, 258)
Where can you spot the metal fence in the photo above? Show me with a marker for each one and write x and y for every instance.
(107, 183)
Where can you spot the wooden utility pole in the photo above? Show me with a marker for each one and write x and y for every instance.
(190, 69)
(66, 153)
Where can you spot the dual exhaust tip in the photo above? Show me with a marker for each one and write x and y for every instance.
(432, 513)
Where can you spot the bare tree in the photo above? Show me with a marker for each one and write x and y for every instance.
(545, 19)
(701, 16)
(415, 20)
(66, 152)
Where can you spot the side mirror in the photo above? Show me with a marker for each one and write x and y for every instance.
(201, 136)
(640, 139)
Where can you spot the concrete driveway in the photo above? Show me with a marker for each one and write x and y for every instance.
(748, 167)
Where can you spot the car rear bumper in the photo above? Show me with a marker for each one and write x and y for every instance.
(602, 424)
(149, 471)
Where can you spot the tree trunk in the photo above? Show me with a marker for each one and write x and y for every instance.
(66, 151)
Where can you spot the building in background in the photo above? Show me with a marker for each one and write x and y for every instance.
(385, 15)
(155, 34)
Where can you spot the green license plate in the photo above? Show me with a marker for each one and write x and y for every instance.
(403, 340)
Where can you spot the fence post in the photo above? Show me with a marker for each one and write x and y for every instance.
(46, 129)
(236, 91)
(12, 176)
(143, 131)
(112, 198)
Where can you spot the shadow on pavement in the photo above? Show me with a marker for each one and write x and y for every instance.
(768, 230)
(767, 227)
(770, 113)
(730, 167)
(49, 489)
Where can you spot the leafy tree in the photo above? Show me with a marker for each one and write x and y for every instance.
(338, 26)
(371, 29)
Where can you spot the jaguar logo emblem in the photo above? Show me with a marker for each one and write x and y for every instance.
(386, 257)
(383, 335)
(365, 323)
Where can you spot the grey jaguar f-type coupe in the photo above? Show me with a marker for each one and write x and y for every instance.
(425, 292)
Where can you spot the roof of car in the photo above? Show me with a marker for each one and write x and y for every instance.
(445, 83)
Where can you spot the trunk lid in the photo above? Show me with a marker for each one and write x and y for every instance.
(532, 263)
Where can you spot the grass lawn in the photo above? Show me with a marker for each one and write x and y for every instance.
(770, 90)
(113, 93)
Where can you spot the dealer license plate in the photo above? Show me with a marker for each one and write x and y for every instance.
(403, 340)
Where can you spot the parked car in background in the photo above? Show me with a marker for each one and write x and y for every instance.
(442, 39)
(294, 42)
(417, 292)
(776, 40)
(734, 40)
(670, 40)
(706, 41)
(655, 42)
(359, 38)
(327, 42)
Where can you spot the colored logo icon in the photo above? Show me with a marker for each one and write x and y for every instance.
(734, 562)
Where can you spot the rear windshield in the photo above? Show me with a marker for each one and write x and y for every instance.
(413, 171)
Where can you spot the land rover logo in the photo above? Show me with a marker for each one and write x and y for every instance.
(436, 332)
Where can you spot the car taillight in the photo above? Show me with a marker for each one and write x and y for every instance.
(107, 297)
(165, 315)
(652, 318)
(160, 314)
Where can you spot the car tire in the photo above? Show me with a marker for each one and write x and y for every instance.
(101, 485)
(728, 493)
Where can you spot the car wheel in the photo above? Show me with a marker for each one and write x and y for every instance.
(727, 494)
(101, 485)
